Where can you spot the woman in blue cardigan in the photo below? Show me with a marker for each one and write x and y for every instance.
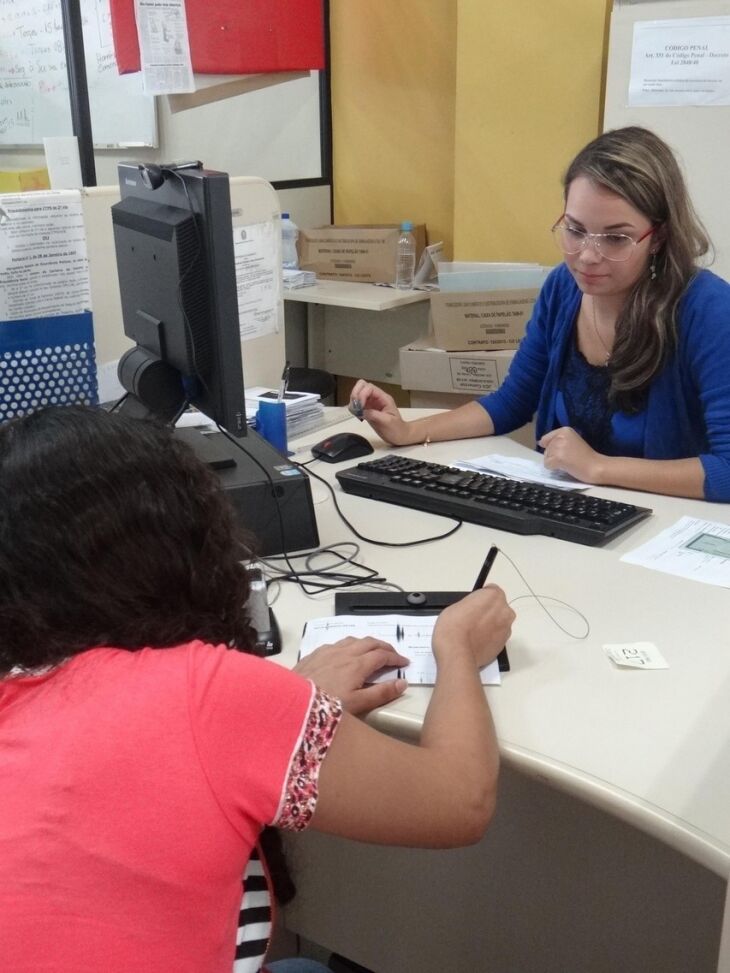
(625, 363)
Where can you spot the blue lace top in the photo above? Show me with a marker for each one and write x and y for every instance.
(582, 403)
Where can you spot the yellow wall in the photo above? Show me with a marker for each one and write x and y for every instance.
(393, 73)
(528, 95)
(463, 114)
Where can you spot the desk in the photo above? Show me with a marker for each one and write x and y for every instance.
(353, 328)
(611, 845)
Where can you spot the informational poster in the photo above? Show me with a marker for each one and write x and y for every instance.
(680, 62)
(44, 269)
(164, 45)
(258, 277)
(46, 328)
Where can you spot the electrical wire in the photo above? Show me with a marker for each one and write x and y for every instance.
(370, 540)
(327, 577)
(540, 599)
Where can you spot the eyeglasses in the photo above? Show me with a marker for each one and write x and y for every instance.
(613, 246)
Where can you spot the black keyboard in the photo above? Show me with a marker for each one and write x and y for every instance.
(512, 505)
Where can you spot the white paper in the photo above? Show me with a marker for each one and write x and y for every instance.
(691, 548)
(409, 634)
(427, 269)
(44, 269)
(164, 46)
(62, 162)
(680, 62)
(294, 279)
(110, 388)
(258, 278)
(192, 419)
(636, 655)
(294, 401)
(519, 468)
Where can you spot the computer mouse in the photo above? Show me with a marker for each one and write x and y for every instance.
(342, 446)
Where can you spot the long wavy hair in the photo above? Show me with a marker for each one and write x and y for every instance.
(637, 165)
(112, 533)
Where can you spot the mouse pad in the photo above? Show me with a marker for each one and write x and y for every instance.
(403, 603)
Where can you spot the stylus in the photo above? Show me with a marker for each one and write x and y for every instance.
(486, 568)
(479, 583)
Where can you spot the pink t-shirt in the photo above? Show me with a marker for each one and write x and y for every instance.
(133, 786)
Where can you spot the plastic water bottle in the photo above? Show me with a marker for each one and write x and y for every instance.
(289, 234)
(405, 261)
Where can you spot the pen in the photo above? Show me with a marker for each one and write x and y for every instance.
(502, 658)
(283, 384)
(486, 568)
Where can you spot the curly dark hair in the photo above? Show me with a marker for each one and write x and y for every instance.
(112, 533)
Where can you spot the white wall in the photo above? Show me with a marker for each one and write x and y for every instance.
(699, 135)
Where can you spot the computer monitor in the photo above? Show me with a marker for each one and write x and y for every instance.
(177, 280)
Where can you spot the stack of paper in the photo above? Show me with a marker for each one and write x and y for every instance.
(298, 278)
(304, 411)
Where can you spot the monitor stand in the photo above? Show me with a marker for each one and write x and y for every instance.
(273, 498)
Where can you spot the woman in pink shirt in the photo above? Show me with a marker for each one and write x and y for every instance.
(141, 755)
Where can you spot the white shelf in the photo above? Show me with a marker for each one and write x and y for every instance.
(366, 297)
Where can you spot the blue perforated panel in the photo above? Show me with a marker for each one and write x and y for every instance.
(48, 361)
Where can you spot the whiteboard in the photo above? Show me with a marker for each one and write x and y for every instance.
(34, 101)
(700, 136)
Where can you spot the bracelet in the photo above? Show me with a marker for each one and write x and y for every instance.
(427, 440)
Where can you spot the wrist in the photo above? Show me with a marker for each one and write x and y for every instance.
(601, 473)
(417, 433)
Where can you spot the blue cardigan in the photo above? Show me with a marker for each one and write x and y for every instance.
(688, 406)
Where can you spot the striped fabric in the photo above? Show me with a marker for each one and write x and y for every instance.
(254, 919)
(298, 801)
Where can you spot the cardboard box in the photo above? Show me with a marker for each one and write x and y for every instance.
(427, 368)
(365, 254)
(481, 320)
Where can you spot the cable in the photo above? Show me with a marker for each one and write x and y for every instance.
(119, 402)
(370, 540)
(540, 598)
(329, 577)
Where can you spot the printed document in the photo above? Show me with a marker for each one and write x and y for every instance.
(258, 277)
(519, 468)
(408, 634)
(44, 270)
(691, 548)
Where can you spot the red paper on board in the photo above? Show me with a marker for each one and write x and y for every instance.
(236, 36)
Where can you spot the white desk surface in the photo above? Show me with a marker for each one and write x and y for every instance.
(365, 297)
(650, 747)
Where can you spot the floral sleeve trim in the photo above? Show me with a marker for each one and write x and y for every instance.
(301, 788)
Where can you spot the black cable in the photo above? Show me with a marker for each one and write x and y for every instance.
(327, 578)
(370, 540)
(119, 402)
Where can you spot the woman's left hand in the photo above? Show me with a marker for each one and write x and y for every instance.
(343, 668)
(566, 450)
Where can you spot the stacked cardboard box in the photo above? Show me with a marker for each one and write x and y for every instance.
(365, 254)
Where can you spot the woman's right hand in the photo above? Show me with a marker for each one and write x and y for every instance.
(380, 410)
(481, 622)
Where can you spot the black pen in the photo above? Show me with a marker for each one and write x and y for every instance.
(502, 658)
(486, 567)
(284, 383)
